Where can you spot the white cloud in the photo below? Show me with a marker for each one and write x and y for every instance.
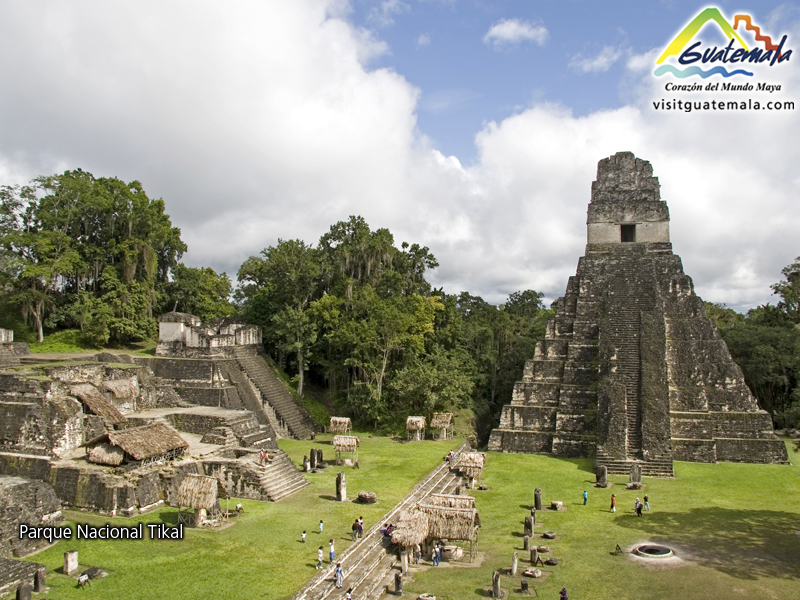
(599, 63)
(509, 32)
(263, 122)
(383, 14)
(643, 62)
(423, 40)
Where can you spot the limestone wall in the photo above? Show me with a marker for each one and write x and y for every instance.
(25, 501)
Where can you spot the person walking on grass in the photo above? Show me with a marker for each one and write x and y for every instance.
(360, 527)
(613, 503)
(563, 594)
(354, 527)
(320, 556)
(639, 509)
(646, 502)
(585, 497)
(303, 537)
(331, 552)
(320, 525)
(339, 575)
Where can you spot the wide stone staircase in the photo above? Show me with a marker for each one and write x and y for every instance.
(280, 477)
(653, 467)
(369, 564)
(290, 415)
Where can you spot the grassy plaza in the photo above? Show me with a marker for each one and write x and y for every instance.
(735, 527)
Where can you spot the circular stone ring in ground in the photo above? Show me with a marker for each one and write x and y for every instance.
(653, 551)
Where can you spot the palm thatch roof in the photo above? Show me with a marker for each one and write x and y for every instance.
(106, 454)
(450, 501)
(96, 402)
(415, 423)
(200, 492)
(470, 463)
(122, 388)
(441, 420)
(339, 425)
(148, 441)
(411, 528)
(451, 523)
(345, 443)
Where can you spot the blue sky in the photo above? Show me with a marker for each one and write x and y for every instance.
(472, 127)
(439, 47)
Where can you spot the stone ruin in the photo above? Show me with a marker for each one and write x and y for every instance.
(182, 334)
(631, 369)
(100, 433)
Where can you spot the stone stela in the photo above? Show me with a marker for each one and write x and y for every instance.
(631, 369)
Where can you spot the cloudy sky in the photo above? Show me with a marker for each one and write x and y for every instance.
(469, 126)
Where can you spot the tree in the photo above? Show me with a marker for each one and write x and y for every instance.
(789, 291)
(61, 233)
(198, 291)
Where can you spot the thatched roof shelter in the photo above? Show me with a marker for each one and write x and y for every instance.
(441, 420)
(451, 523)
(345, 443)
(415, 423)
(200, 492)
(340, 425)
(411, 528)
(148, 441)
(96, 402)
(450, 501)
(470, 463)
(106, 454)
(123, 389)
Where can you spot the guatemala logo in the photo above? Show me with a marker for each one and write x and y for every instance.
(695, 59)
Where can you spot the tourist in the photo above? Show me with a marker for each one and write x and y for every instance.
(348, 595)
(613, 503)
(563, 594)
(354, 527)
(261, 457)
(417, 553)
(320, 525)
(646, 502)
(636, 504)
(437, 555)
(639, 509)
(585, 497)
(331, 552)
(320, 556)
(360, 527)
(303, 537)
(339, 575)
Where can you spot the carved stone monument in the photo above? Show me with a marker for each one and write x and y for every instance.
(313, 459)
(529, 526)
(602, 476)
(496, 591)
(70, 562)
(537, 499)
(341, 487)
(631, 367)
(514, 564)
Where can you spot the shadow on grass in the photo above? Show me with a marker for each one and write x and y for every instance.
(327, 497)
(744, 544)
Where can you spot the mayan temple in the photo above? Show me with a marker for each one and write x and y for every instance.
(631, 369)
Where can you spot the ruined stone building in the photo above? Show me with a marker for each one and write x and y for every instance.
(103, 432)
(631, 369)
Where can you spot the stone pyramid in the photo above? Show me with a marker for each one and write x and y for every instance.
(631, 369)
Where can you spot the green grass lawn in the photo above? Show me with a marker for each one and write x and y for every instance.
(261, 556)
(736, 526)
